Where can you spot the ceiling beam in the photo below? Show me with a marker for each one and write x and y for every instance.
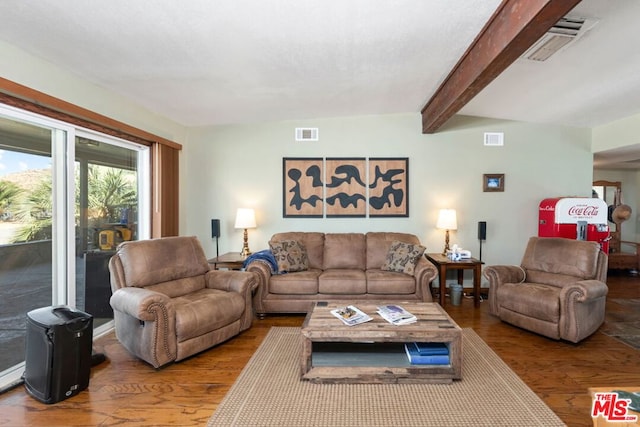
(513, 28)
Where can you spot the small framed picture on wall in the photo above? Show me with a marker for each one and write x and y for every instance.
(493, 182)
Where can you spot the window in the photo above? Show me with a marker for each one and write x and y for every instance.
(68, 196)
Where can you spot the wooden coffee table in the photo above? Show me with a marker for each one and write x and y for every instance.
(373, 352)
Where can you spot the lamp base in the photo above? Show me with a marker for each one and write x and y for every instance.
(446, 243)
(245, 245)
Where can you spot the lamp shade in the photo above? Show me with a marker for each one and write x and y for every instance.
(447, 220)
(245, 218)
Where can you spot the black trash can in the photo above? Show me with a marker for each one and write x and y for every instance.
(58, 353)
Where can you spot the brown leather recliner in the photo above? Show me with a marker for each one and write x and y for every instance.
(558, 290)
(169, 305)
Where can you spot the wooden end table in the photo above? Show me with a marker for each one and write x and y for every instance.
(230, 260)
(443, 264)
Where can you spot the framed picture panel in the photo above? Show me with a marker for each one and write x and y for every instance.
(302, 187)
(388, 187)
(345, 187)
(492, 182)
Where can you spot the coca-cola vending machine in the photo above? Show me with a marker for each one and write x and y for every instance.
(579, 218)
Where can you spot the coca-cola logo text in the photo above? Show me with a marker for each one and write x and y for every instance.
(582, 210)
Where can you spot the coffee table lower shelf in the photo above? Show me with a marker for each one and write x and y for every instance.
(387, 362)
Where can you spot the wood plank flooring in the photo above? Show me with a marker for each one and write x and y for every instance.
(126, 391)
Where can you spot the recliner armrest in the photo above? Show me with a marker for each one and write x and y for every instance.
(582, 309)
(230, 281)
(138, 302)
(584, 290)
(497, 275)
(504, 274)
(241, 282)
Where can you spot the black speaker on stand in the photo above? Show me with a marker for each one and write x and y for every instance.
(482, 234)
(215, 232)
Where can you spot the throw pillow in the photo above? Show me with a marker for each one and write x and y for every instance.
(403, 257)
(290, 255)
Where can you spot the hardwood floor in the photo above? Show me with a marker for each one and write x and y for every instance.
(126, 391)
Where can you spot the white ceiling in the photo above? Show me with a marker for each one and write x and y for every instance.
(206, 62)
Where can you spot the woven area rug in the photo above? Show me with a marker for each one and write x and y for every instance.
(269, 392)
(624, 324)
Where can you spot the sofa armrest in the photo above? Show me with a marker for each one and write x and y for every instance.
(262, 274)
(424, 273)
(497, 275)
(141, 303)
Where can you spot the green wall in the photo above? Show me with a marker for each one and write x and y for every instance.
(620, 133)
(228, 167)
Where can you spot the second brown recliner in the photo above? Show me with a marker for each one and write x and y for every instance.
(558, 290)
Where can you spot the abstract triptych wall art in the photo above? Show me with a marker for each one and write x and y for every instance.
(345, 187)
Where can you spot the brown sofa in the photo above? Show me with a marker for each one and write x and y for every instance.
(169, 305)
(341, 266)
(558, 290)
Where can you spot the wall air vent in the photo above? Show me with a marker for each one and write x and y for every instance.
(306, 134)
(494, 139)
(564, 32)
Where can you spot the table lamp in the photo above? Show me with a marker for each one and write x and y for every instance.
(447, 221)
(245, 218)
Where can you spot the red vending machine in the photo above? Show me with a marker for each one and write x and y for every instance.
(579, 218)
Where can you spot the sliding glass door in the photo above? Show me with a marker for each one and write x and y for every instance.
(26, 229)
(110, 178)
(67, 198)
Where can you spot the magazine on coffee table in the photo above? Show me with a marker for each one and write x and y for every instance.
(351, 315)
(396, 314)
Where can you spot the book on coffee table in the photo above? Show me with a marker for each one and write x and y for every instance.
(351, 315)
(430, 348)
(425, 359)
(396, 314)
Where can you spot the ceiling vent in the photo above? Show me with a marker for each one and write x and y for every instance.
(564, 32)
(306, 134)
